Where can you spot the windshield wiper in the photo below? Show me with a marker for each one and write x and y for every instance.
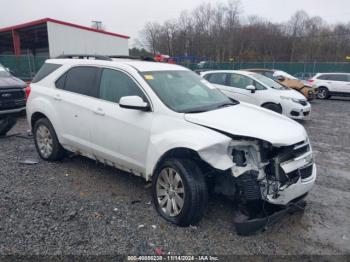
(196, 111)
(226, 105)
(201, 110)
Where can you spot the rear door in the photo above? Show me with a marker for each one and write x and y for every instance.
(218, 79)
(75, 97)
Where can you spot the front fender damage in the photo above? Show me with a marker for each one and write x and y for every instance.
(217, 156)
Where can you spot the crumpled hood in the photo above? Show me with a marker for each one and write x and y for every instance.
(10, 82)
(252, 121)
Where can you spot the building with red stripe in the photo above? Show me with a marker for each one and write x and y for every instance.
(49, 37)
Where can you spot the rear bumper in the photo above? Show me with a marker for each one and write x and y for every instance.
(12, 111)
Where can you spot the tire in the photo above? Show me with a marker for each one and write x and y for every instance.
(195, 196)
(57, 152)
(323, 93)
(273, 107)
(6, 124)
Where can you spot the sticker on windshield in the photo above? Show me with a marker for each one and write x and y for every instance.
(149, 77)
(208, 84)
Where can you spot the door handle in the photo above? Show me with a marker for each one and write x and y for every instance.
(99, 112)
(57, 98)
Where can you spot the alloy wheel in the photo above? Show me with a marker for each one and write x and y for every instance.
(170, 192)
(44, 141)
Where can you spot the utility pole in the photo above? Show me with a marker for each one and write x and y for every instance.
(97, 25)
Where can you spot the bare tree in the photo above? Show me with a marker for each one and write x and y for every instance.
(219, 33)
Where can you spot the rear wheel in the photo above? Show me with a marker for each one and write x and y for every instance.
(6, 124)
(273, 107)
(46, 141)
(323, 93)
(180, 192)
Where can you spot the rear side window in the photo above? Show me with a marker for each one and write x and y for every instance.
(115, 84)
(44, 71)
(323, 77)
(339, 77)
(269, 74)
(334, 77)
(219, 78)
(81, 80)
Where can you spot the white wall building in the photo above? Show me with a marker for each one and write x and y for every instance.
(50, 37)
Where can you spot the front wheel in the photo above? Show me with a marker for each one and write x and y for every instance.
(180, 192)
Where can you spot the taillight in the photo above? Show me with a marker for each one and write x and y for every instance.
(311, 81)
(28, 89)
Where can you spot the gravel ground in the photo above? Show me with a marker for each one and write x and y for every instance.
(78, 206)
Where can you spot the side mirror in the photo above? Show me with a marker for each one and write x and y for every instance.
(133, 102)
(251, 88)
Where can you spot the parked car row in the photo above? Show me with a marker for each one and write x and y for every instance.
(167, 124)
(260, 90)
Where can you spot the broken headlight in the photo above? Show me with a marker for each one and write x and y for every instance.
(239, 157)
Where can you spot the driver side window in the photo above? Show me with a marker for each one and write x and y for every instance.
(240, 81)
(115, 84)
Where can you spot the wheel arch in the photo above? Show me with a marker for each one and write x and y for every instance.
(182, 152)
(274, 103)
(35, 117)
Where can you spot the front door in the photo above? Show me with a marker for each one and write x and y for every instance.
(120, 135)
(237, 87)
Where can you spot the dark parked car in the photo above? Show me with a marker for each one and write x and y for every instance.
(12, 99)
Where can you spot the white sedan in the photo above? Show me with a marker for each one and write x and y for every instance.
(260, 90)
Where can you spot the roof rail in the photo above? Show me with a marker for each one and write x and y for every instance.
(142, 58)
(84, 56)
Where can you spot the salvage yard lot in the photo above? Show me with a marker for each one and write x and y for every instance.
(77, 206)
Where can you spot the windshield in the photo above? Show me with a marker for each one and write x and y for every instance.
(185, 91)
(269, 82)
(4, 72)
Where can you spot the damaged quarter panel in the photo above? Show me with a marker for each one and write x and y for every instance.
(210, 145)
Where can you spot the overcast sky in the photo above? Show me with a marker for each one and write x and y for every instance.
(129, 16)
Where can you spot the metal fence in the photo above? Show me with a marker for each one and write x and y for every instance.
(292, 68)
(26, 66)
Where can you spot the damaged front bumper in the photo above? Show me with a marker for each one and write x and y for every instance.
(274, 190)
(287, 194)
(274, 214)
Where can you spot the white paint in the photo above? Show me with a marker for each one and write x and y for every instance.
(283, 97)
(71, 40)
(333, 86)
(135, 140)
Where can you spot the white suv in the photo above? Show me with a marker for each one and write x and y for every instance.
(165, 123)
(260, 90)
(337, 84)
